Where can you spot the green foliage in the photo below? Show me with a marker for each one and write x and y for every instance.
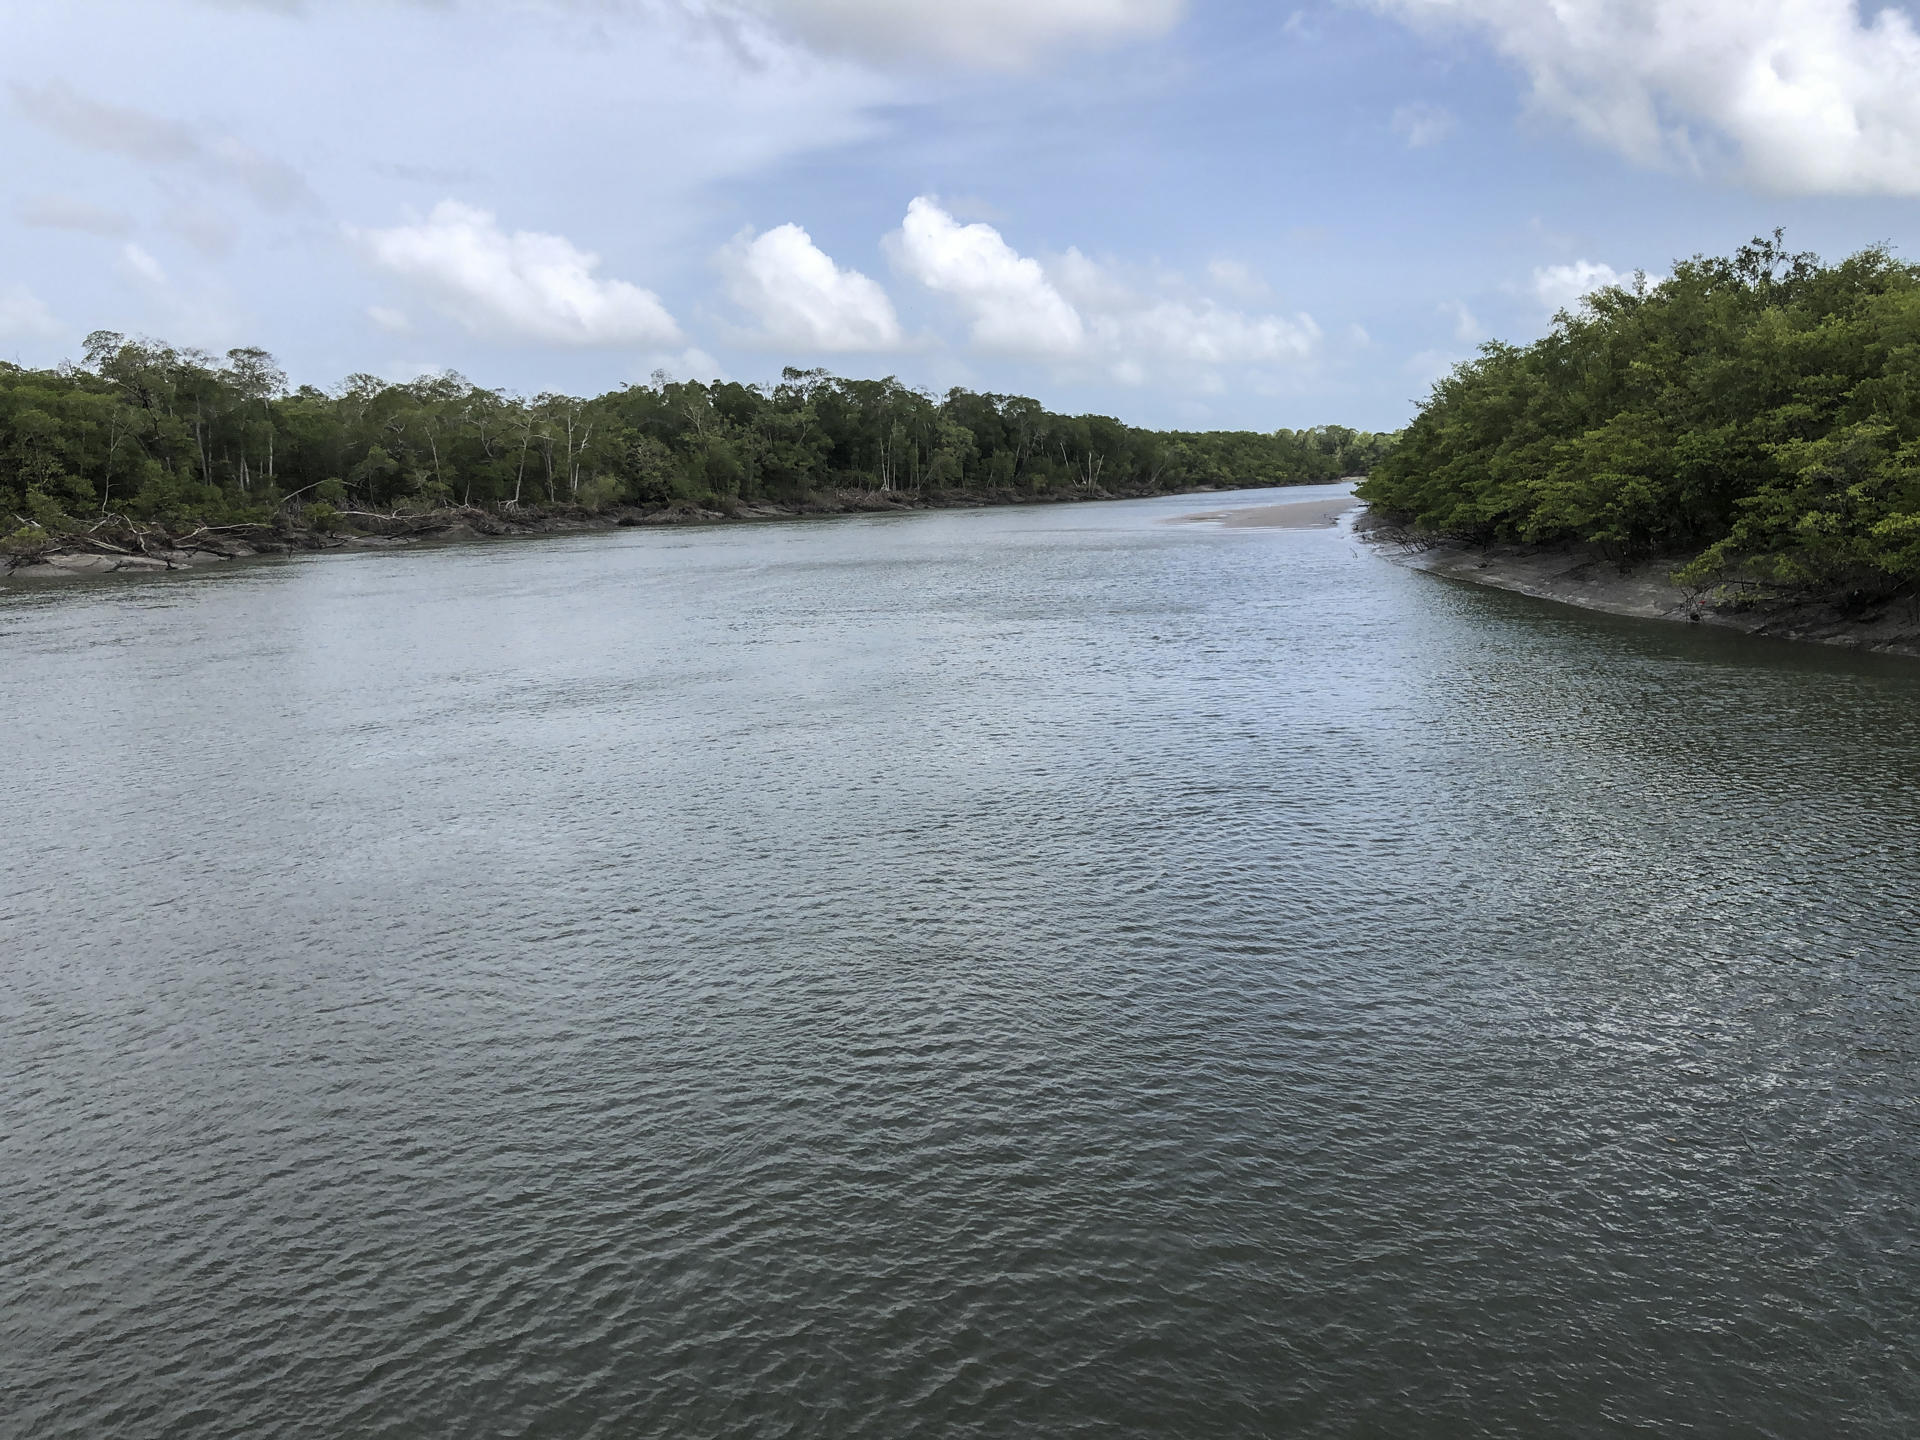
(598, 491)
(46, 512)
(1758, 415)
(178, 436)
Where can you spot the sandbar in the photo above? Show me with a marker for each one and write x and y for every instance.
(1288, 515)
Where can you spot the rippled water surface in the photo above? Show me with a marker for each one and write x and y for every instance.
(1018, 972)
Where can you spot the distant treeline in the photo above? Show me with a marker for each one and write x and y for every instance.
(147, 431)
(1758, 416)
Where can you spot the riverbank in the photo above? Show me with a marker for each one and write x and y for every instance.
(1582, 577)
(116, 545)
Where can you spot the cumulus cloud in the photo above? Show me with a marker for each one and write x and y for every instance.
(798, 297)
(1204, 333)
(522, 285)
(1079, 310)
(1561, 287)
(1007, 298)
(999, 33)
(157, 142)
(1807, 95)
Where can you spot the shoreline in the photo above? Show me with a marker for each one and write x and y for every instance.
(144, 549)
(1589, 581)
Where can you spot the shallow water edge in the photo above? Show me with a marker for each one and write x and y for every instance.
(135, 549)
(1576, 577)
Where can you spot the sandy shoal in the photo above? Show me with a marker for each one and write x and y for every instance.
(1288, 515)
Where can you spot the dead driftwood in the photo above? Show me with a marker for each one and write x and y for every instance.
(121, 536)
(117, 536)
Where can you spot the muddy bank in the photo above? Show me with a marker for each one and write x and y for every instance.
(1584, 578)
(118, 546)
(115, 545)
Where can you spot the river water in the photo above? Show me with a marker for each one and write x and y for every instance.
(1040, 971)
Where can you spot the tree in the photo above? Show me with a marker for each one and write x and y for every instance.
(1754, 417)
(144, 430)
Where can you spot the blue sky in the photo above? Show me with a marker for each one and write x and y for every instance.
(1182, 212)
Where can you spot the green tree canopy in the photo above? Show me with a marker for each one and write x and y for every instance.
(1756, 415)
(151, 432)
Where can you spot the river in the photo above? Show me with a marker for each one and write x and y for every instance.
(1036, 971)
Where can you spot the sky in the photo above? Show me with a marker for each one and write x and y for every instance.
(1193, 213)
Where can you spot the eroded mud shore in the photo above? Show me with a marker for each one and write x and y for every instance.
(1647, 591)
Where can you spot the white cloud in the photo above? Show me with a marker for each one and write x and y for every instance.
(197, 311)
(998, 33)
(990, 32)
(1238, 280)
(1466, 325)
(1421, 124)
(393, 321)
(141, 265)
(64, 212)
(523, 286)
(1560, 287)
(1080, 311)
(24, 316)
(798, 297)
(1810, 95)
(1202, 333)
(692, 363)
(1012, 305)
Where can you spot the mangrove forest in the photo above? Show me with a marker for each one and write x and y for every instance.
(1755, 418)
(140, 432)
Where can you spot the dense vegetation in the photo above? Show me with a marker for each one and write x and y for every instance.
(1758, 417)
(143, 430)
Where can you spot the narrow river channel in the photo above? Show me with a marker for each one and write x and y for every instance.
(1040, 971)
